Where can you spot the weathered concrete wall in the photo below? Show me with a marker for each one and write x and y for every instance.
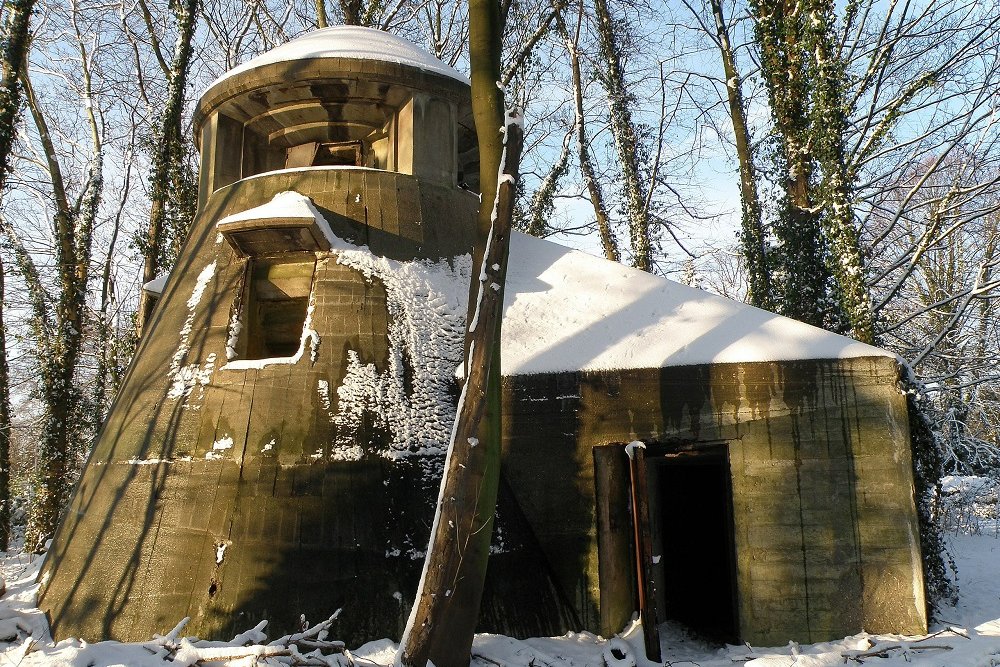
(195, 457)
(826, 531)
(235, 494)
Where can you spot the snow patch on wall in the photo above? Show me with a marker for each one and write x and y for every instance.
(185, 377)
(223, 443)
(219, 446)
(153, 462)
(233, 337)
(413, 398)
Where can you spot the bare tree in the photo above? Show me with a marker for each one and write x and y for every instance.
(623, 129)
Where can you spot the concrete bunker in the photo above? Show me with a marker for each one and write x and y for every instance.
(292, 392)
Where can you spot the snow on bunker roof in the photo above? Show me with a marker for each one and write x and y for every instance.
(350, 42)
(565, 310)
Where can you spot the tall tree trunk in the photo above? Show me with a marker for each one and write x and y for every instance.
(805, 290)
(73, 227)
(14, 53)
(626, 142)
(608, 242)
(106, 380)
(57, 360)
(829, 123)
(5, 427)
(443, 620)
(168, 156)
(321, 13)
(753, 237)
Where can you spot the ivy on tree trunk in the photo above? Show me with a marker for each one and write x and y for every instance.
(627, 146)
(58, 350)
(13, 51)
(819, 255)
(171, 195)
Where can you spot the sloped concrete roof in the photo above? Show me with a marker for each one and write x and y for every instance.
(565, 310)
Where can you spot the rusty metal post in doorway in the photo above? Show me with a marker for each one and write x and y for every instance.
(643, 548)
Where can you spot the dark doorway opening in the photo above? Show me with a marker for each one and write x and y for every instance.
(692, 530)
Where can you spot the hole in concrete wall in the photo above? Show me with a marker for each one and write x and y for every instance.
(692, 526)
(409, 373)
(339, 154)
(326, 154)
(213, 588)
(275, 306)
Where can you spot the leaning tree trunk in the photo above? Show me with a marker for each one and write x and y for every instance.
(608, 242)
(444, 615)
(168, 156)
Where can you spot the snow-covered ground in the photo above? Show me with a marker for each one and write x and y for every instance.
(966, 635)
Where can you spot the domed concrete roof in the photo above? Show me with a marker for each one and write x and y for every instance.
(352, 42)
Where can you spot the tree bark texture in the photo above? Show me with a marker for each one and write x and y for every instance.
(351, 9)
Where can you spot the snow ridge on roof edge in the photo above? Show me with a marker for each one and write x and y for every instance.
(347, 42)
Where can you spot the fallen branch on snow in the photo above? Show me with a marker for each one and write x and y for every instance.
(884, 651)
